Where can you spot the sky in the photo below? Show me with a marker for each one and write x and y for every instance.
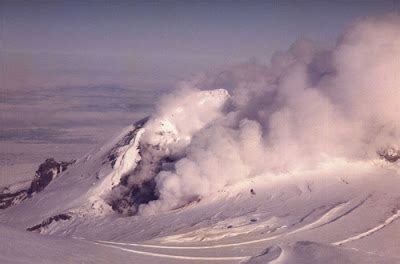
(156, 43)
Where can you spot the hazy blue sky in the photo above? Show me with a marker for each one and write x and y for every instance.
(151, 44)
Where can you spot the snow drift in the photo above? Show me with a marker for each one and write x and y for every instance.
(309, 106)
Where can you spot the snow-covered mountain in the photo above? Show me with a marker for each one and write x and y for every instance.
(293, 162)
(94, 208)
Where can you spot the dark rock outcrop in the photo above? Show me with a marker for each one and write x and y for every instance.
(48, 221)
(138, 186)
(47, 171)
(389, 154)
(10, 199)
(134, 196)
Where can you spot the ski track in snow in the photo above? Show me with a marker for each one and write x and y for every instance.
(345, 213)
(151, 254)
(370, 231)
(323, 219)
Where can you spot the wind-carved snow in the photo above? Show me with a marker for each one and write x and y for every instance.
(171, 256)
(236, 226)
(388, 221)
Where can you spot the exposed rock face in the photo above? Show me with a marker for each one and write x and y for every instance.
(113, 155)
(47, 171)
(137, 186)
(48, 221)
(389, 154)
(134, 196)
(10, 199)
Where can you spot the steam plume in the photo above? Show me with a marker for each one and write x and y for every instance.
(309, 105)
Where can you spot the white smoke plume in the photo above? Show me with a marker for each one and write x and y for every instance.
(309, 105)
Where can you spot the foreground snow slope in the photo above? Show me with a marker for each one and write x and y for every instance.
(18, 247)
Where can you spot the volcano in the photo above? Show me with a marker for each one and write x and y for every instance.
(93, 210)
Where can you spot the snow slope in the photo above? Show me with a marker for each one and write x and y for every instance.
(338, 212)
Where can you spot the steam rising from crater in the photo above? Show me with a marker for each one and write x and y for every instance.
(309, 105)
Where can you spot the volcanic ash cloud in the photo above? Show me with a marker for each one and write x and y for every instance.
(308, 106)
